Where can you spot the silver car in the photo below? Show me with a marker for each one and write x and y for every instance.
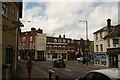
(102, 74)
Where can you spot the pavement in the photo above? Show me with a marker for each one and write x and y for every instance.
(22, 73)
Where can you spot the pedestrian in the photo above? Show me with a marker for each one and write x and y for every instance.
(29, 66)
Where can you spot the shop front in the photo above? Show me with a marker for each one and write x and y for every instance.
(100, 59)
(113, 57)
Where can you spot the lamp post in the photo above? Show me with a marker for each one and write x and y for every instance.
(86, 40)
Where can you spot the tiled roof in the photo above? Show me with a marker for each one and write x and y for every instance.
(115, 32)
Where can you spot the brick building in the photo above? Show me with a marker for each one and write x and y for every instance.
(11, 12)
(66, 48)
(30, 44)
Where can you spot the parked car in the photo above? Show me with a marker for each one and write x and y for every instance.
(102, 74)
(59, 63)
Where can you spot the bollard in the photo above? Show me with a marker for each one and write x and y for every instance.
(57, 77)
(50, 75)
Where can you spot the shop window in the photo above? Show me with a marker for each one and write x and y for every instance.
(54, 55)
(63, 55)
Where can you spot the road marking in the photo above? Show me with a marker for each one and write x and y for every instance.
(51, 71)
(68, 70)
(67, 73)
(46, 74)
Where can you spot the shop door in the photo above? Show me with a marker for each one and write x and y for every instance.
(113, 61)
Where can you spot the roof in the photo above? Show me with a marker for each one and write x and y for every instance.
(115, 32)
(110, 72)
(102, 29)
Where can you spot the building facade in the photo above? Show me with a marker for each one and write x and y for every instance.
(113, 46)
(106, 46)
(100, 46)
(40, 47)
(66, 48)
(11, 12)
(32, 44)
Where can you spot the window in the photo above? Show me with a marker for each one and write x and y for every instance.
(5, 9)
(86, 43)
(68, 41)
(23, 46)
(13, 13)
(115, 41)
(96, 36)
(64, 41)
(23, 39)
(59, 40)
(31, 46)
(108, 43)
(20, 46)
(96, 47)
(30, 38)
(101, 36)
(78, 43)
(55, 40)
(101, 47)
(17, 18)
(72, 41)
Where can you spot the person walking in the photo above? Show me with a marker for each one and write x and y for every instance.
(29, 67)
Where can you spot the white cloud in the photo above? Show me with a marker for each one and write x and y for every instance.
(63, 17)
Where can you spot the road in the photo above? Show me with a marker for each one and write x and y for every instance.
(72, 70)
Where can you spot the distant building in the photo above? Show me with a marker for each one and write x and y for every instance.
(66, 48)
(11, 12)
(32, 43)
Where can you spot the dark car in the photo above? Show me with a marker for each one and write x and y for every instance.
(59, 63)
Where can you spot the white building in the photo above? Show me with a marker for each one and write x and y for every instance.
(107, 46)
(40, 46)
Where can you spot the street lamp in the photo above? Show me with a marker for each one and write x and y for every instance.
(86, 39)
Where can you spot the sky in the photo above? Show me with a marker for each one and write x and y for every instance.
(63, 17)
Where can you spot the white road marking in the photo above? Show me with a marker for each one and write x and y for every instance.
(68, 70)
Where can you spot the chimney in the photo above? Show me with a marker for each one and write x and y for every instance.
(64, 36)
(59, 36)
(40, 31)
(33, 30)
(108, 23)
